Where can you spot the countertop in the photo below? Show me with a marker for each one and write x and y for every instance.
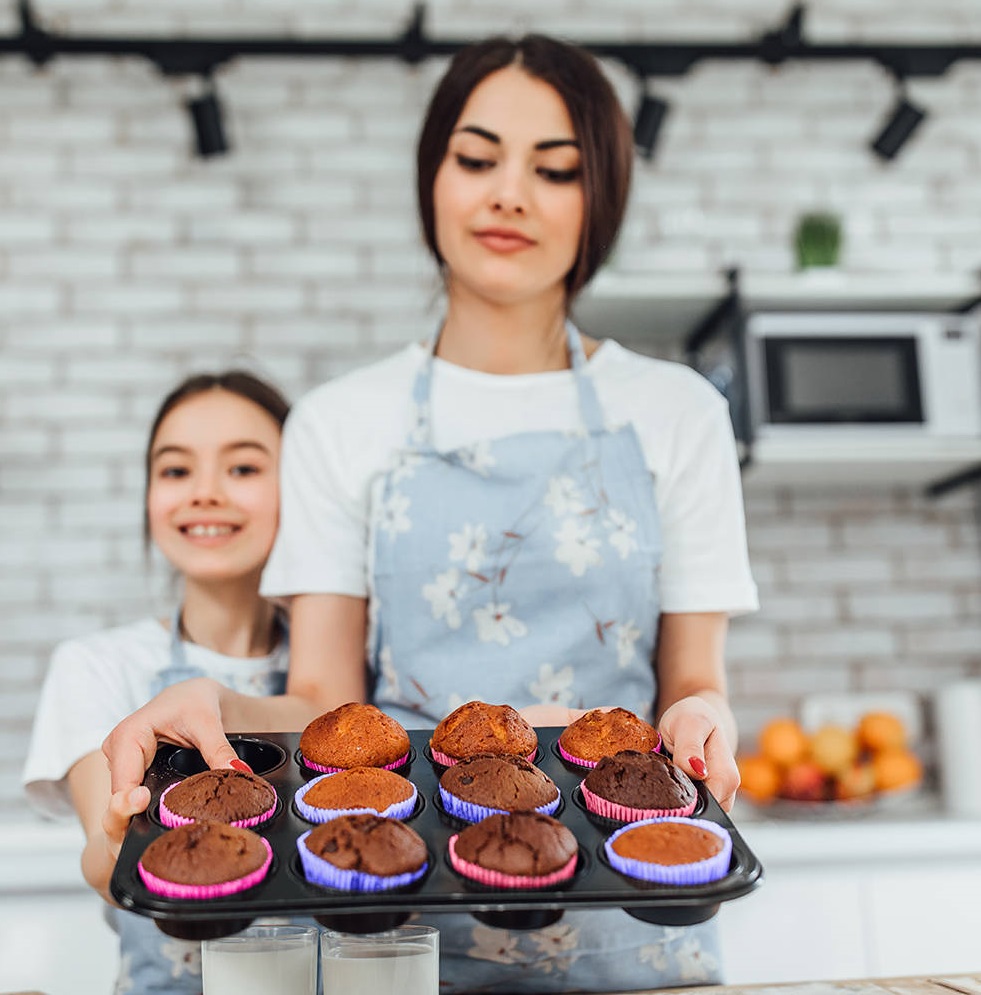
(961, 984)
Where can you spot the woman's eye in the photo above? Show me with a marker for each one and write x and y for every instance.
(174, 472)
(559, 175)
(244, 470)
(473, 165)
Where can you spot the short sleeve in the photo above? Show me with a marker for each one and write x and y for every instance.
(705, 567)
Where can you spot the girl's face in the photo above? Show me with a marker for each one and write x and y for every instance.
(508, 199)
(213, 494)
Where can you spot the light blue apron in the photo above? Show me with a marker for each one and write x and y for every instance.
(152, 963)
(524, 570)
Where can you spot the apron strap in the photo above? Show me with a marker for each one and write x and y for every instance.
(421, 433)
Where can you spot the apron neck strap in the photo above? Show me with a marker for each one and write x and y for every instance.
(590, 409)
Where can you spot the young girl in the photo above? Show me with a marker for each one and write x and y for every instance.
(212, 507)
(512, 511)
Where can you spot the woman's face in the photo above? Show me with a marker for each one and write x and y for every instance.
(213, 493)
(508, 199)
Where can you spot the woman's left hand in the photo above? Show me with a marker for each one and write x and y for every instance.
(693, 733)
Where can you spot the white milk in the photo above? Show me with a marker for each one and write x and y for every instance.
(381, 969)
(260, 967)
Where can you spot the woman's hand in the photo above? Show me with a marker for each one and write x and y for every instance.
(694, 733)
(123, 805)
(187, 714)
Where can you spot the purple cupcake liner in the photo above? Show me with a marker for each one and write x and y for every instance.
(445, 760)
(312, 813)
(623, 813)
(580, 762)
(472, 812)
(699, 872)
(171, 819)
(171, 889)
(310, 765)
(323, 872)
(498, 879)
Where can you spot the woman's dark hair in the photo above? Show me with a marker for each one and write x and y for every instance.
(239, 382)
(599, 122)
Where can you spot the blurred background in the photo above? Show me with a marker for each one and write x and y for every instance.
(129, 258)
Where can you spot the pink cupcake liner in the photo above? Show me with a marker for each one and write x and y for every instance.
(171, 889)
(446, 760)
(171, 819)
(472, 812)
(623, 813)
(580, 762)
(312, 813)
(497, 879)
(308, 763)
(323, 872)
(699, 872)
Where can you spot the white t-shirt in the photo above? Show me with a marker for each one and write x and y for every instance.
(343, 434)
(95, 681)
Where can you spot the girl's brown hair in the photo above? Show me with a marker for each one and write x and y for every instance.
(598, 119)
(239, 382)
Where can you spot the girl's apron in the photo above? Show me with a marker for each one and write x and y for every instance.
(523, 570)
(152, 963)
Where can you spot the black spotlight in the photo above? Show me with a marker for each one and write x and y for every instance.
(209, 129)
(905, 118)
(651, 113)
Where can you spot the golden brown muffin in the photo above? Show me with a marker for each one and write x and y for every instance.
(599, 734)
(477, 727)
(359, 787)
(354, 735)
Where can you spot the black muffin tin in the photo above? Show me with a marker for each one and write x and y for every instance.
(285, 891)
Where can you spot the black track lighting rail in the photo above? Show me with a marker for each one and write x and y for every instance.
(202, 56)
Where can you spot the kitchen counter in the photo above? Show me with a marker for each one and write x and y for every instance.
(961, 984)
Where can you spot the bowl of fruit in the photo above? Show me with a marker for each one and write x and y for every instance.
(828, 764)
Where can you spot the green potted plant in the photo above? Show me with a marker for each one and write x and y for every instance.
(817, 239)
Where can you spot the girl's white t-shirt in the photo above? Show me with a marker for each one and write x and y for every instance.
(343, 434)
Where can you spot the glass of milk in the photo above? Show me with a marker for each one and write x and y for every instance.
(262, 959)
(403, 961)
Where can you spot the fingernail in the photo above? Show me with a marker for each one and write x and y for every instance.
(135, 796)
(240, 765)
(697, 765)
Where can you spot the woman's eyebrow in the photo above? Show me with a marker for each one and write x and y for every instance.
(548, 143)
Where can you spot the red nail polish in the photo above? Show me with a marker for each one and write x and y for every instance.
(240, 765)
(697, 765)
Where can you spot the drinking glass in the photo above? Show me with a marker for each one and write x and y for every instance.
(403, 961)
(261, 959)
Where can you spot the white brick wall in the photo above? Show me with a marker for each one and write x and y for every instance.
(126, 262)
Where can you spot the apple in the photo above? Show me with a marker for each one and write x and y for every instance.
(804, 781)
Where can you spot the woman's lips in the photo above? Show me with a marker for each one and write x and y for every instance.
(503, 240)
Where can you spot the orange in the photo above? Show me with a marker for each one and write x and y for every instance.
(896, 768)
(760, 778)
(783, 741)
(833, 748)
(881, 731)
(857, 781)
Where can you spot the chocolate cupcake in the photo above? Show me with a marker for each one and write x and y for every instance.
(599, 734)
(515, 850)
(477, 727)
(360, 789)
(354, 735)
(631, 785)
(234, 797)
(671, 851)
(204, 860)
(485, 784)
(363, 853)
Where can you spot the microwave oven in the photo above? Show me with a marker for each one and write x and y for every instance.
(818, 374)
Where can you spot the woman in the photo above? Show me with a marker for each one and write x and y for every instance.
(211, 508)
(514, 512)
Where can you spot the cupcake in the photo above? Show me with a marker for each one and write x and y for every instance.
(671, 851)
(363, 853)
(630, 786)
(354, 735)
(234, 797)
(477, 727)
(204, 860)
(515, 850)
(360, 789)
(599, 734)
(484, 784)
